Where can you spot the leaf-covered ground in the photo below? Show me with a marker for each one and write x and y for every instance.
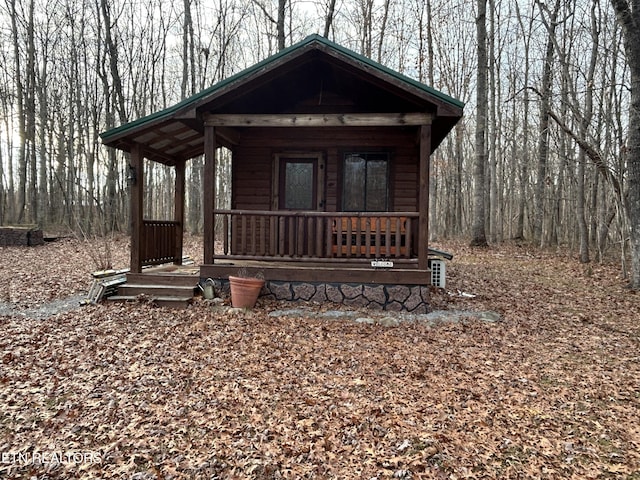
(550, 391)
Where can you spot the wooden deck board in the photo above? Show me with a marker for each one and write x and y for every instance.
(320, 272)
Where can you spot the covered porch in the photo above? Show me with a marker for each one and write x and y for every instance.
(378, 247)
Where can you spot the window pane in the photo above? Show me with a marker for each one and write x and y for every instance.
(354, 183)
(299, 186)
(376, 185)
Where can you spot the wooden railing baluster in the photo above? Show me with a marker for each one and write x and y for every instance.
(299, 235)
(158, 241)
(387, 237)
(273, 235)
(243, 234)
(253, 234)
(263, 236)
(378, 237)
(281, 236)
(225, 237)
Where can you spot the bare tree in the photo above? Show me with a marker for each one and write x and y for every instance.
(278, 21)
(478, 229)
(383, 29)
(628, 14)
(188, 53)
(115, 100)
(7, 100)
(328, 22)
(584, 125)
(543, 127)
(24, 85)
(526, 31)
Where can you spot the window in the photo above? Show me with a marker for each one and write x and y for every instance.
(365, 182)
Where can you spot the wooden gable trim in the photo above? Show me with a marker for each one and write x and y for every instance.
(318, 120)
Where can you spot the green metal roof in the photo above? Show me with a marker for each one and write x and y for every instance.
(195, 99)
(361, 58)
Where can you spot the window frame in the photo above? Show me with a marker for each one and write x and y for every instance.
(365, 154)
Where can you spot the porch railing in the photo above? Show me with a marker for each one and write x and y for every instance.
(158, 242)
(317, 236)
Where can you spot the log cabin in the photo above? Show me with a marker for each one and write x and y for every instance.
(330, 176)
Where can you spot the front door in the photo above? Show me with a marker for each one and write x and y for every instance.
(298, 183)
(299, 188)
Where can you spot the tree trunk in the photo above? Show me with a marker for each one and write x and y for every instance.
(457, 193)
(524, 147)
(42, 213)
(494, 216)
(383, 28)
(22, 157)
(328, 22)
(587, 115)
(282, 10)
(3, 202)
(366, 29)
(478, 233)
(628, 14)
(188, 53)
(114, 100)
(30, 113)
(543, 131)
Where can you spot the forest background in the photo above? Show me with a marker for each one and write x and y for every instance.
(541, 154)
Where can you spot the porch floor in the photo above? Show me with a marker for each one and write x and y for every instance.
(320, 272)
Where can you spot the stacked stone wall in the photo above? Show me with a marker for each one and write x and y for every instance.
(20, 236)
(397, 298)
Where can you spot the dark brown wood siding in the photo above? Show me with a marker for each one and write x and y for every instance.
(251, 186)
(253, 162)
(404, 172)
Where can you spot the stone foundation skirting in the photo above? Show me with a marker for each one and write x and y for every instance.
(396, 298)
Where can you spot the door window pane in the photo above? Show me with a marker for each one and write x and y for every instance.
(298, 190)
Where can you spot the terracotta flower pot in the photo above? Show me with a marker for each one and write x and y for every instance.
(245, 291)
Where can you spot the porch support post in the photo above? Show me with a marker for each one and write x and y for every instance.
(423, 197)
(136, 181)
(179, 211)
(209, 189)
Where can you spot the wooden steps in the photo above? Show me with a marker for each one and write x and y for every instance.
(165, 289)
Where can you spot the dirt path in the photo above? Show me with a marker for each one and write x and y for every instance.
(45, 310)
